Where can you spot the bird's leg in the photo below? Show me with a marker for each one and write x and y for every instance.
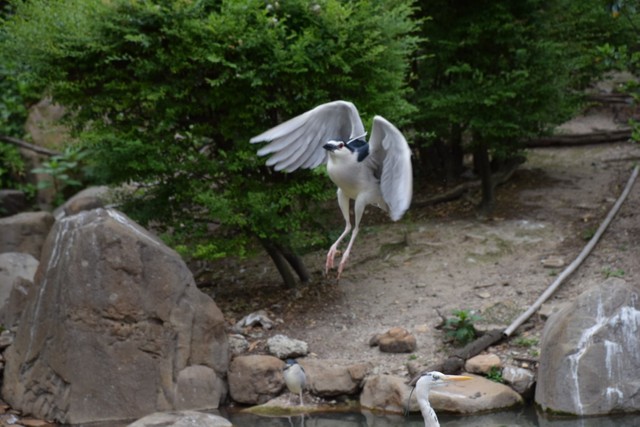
(301, 403)
(359, 210)
(343, 202)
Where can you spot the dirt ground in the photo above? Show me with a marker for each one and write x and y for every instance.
(444, 258)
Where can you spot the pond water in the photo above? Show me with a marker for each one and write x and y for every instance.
(522, 418)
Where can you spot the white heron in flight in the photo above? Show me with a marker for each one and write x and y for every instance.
(426, 381)
(377, 172)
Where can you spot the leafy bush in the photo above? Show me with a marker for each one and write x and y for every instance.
(460, 328)
(167, 94)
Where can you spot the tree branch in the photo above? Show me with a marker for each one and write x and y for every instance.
(23, 144)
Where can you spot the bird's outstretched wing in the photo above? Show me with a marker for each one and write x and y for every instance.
(297, 143)
(390, 156)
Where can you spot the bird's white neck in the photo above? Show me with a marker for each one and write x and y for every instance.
(428, 414)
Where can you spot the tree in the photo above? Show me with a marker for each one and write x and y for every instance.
(167, 93)
(499, 73)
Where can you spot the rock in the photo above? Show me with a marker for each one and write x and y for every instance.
(257, 318)
(85, 200)
(237, 344)
(12, 266)
(11, 311)
(327, 378)
(181, 419)
(395, 340)
(553, 261)
(25, 232)
(477, 395)
(386, 393)
(12, 202)
(547, 309)
(520, 379)
(589, 352)
(482, 363)
(255, 379)
(284, 347)
(117, 328)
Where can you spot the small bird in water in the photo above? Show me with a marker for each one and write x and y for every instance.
(295, 378)
(377, 172)
(422, 387)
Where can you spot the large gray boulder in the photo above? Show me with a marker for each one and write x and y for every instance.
(25, 232)
(590, 353)
(14, 265)
(116, 329)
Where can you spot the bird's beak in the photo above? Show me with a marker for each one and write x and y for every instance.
(329, 147)
(456, 378)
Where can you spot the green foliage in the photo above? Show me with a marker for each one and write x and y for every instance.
(167, 94)
(65, 171)
(461, 328)
(495, 73)
(612, 272)
(495, 374)
(588, 233)
(526, 342)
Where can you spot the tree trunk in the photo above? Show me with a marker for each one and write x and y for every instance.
(482, 164)
(280, 261)
(442, 160)
(295, 261)
(284, 259)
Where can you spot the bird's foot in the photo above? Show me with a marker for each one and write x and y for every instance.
(330, 257)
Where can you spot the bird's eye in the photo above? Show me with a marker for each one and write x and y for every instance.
(340, 145)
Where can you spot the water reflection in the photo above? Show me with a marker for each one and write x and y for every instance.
(523, 418)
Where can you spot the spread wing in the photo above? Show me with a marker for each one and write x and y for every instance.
(297, 143)
(390, 157)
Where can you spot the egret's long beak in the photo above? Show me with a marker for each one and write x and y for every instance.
(456, 378)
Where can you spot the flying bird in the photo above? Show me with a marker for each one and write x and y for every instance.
(377, 172)
(295, 378)
(422, 387)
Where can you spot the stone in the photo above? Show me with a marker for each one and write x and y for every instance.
(194, 386)
(589, 353)
(13, 266)
(11, 311)
(386, 393)
(482, 363)
(473, 396)
(25, 232)
(250, 320)
(284, 347)
(12, 202)
(553, 261)
(116, 329)
(237, 344)
(86, 199)
(395, 340)
(182, 419)
(520, 379)
(547, 309)
(329, 378)
(255, 379)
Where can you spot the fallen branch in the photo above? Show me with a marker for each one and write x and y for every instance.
(596, 137)
(458, 191)
(28, 146)
(455, 362)
(581, 257)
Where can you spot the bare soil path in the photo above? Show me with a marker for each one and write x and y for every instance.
(445, 258)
